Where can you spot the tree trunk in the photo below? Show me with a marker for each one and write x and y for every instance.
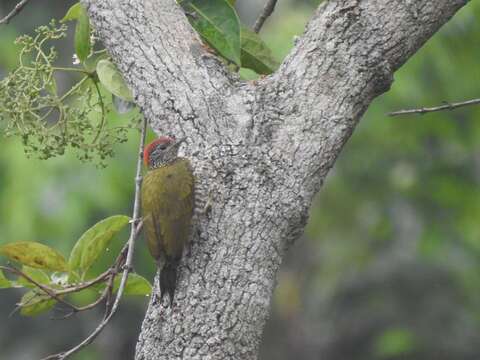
(260, 150)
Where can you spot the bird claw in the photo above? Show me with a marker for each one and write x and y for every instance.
(208, 205)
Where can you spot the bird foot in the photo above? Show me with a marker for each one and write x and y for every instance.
(208, 205)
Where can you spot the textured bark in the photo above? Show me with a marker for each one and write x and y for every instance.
(260, 150)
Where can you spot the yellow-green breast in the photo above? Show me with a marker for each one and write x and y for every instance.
(167, 208)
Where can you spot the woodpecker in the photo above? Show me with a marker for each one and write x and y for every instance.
(167, 207)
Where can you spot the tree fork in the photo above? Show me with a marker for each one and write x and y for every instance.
(262, 149)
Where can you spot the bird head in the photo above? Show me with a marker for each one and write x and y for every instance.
(161, 151)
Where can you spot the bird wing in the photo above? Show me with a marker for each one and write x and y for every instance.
(168, 208)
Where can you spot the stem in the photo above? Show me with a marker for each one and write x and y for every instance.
(57, 68)
(64, 96)
(102, 106)
(74, 87)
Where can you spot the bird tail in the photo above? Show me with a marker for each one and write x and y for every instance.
(168, 279)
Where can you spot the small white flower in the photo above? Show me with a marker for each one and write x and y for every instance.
(76, 60)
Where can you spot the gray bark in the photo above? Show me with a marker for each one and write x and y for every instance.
(260, 149)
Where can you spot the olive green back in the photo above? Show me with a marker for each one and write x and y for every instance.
(167, 208)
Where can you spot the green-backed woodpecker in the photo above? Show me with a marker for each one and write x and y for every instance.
(167, 207)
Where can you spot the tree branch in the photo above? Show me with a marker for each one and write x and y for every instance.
(345, 59)
(16, 10)
(447, 106)
(266, 12)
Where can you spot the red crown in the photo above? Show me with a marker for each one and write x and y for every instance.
(151, 146)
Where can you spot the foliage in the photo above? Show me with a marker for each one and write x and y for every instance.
(50, 278)
(47, 122)
(93, 242)
(83, 44)
(218, 24)
(255, 54)
(35, 255)
(136, 285)
(112, 80)
(34, 303)
(4, 282)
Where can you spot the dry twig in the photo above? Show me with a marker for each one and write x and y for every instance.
(266, 12)
(14, 12)
(446, 106)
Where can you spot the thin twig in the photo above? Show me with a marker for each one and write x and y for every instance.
(119, 262)
(90, 306)
(135, 229)
(446, 106)
(14, 12)
(58, 293)
(100, 278)
(266, 12)
(111, 273)
(47, 290)
(108, 296)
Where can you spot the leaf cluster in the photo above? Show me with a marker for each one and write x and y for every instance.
(218, 24)
(50, 278)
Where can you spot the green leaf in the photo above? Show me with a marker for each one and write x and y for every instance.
(82, 35)
(4, 282)
(94, 241)
(73, 276)
(33, 303)
(38, 275)
(122, 106)
(90, 64)
(73, 13)
(218, 24)
(136, 285)
(112, 80)
(35, 255)
(256, 55)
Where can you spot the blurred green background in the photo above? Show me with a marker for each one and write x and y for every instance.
(389, 265)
